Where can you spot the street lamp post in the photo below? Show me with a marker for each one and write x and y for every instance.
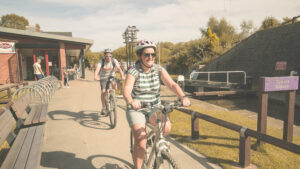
(130, 37)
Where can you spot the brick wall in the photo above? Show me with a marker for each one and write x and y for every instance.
(8, 68)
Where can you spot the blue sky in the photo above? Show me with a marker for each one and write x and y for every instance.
(104, 21)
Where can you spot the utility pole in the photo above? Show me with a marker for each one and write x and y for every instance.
(159, 53)
(130, 37)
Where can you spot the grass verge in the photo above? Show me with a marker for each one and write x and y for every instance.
(221, 145)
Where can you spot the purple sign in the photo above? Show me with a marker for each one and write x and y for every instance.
(280, 83)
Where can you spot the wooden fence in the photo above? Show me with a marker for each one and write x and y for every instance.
(8, 89)
(245, 134)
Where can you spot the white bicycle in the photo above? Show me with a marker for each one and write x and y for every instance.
(158, 153)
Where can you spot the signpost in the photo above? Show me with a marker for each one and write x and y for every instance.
(7, 47)
(280, 65)
(280, 83)
(273, 84)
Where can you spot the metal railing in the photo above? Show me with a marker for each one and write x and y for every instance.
(43, 89)
(209, 74)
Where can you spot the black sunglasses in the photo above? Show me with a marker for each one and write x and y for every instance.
(147, 55)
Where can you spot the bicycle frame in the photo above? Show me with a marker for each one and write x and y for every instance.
(159, 144)
(110, 104)
(160, 148)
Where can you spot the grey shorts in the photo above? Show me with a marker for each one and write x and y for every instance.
(139, 116)
(103, 83)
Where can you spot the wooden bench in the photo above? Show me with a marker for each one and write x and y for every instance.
(34, 114)
(26, 143)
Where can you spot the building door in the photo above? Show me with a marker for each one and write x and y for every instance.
(40, 54)
(53, 63)
(27, 63)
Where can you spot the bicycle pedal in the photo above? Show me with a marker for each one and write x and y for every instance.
(149, 142)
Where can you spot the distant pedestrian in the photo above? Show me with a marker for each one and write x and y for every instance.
(38, 72)
(76, 68)
(55, 71)
(66, 78)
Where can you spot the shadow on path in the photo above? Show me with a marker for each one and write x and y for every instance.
(65, 160)
(87, 118)
(204, 137)
(202, 160)
(122, 107)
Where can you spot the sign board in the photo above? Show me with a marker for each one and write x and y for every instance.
(280, 65)
(280, 83)
(7, 47)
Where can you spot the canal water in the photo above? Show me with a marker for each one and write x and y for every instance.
(276, 109)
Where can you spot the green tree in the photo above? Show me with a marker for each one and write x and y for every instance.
(120, 54)
(288, 20)
(37, 27)
(225, 31)
(14, 21)
(219, 27)
(247, 28)
(213, 39)
(269, 22)
(92, 58)
(164, 49)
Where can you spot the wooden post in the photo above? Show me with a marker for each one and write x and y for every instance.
(195, 127)
(47, 63)
(21, 66)
(245, 147)
(289, 117)
(263, 110)
(9, 93)
(34, 60)
(81, 57)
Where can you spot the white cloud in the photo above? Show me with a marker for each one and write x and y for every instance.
(175, 21)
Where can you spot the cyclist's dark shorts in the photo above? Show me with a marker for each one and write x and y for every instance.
(103, 83)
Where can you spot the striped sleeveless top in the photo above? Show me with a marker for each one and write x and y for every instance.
(146, 87)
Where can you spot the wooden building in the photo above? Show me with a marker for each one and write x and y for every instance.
(19, 50)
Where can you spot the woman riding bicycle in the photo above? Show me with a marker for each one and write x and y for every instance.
(142, 86)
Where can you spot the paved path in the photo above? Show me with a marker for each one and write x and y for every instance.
(76, 139)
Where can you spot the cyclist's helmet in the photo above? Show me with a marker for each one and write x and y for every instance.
(144, 44)
(107, 50)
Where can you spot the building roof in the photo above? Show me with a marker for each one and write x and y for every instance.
(61, 33)
(43, 35)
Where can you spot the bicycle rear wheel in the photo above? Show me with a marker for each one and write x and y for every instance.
(167, 162)
(113, 110)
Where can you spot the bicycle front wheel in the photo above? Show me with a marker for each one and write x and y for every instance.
(113, 110)
(167, 162)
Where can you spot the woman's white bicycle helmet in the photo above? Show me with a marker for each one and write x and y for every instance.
(107, 51)
(144, 44)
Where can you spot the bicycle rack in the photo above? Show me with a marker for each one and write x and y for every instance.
(44, 89)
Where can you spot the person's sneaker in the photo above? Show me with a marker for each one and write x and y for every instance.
(103, 112)
(68, 86)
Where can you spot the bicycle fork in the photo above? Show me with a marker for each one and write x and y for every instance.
(161, 145)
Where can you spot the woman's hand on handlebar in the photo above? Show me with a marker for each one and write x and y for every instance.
(136, 104)
(185, 102)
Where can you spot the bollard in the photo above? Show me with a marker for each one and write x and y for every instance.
(244, 148)
(195, 126)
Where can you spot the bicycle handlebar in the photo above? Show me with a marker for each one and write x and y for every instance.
(166, 106)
